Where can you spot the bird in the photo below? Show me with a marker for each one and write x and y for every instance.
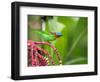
(49, 36)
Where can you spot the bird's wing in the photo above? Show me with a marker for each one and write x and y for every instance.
(45, 32)
(42, 32)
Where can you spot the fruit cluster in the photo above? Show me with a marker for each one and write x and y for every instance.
(40, 57)
(34, 56)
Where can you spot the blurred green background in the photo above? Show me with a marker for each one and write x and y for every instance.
(72, 46)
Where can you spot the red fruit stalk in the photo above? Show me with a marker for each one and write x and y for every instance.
(34, 58)
(37, 59)
(55, 50)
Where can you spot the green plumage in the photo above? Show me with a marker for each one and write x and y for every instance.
(46, 36)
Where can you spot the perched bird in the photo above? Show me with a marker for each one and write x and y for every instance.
(46, 36)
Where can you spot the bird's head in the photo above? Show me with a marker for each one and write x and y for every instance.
(57, 34)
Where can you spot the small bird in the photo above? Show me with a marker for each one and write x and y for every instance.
(46, 36)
